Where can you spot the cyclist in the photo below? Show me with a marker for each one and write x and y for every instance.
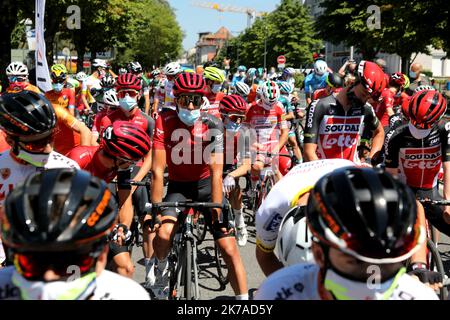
(290, 191)
(286, 90)
(214, 78)
(416, 151)
(58, 241)
(334, 125)
(28, 120)
(334, 85)
(266, 119)
(288, 76)
(71, 131)
(171, 71)
(361, 220)
(239, 76)
(316, 79)
(237, 158)
(17, 74)
(122, 145)
(258, 80)
(198, 181)
(144, 101)
(384, 107)
(99, 71)
(81, 101)
(110, 104)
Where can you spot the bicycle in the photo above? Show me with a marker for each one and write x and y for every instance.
(434, 257)
(183, 267)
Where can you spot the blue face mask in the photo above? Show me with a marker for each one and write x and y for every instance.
(216, 88)
(412, 74)
(188, 117)
(58, 86)
(127, 103)
(231, 126)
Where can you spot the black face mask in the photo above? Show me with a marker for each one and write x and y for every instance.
(353, 99)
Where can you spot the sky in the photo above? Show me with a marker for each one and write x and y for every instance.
(194, 19)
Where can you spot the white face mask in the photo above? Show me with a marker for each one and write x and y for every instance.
(36, 159)
(418, 133)
(216, 88)
(79, 289)
(346, 289)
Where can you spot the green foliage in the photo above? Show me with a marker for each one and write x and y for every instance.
(428, 73)
(287, 31)
(299, 79)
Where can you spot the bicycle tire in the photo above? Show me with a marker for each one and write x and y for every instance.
(435, 263)
(222, 268)
(188, 271)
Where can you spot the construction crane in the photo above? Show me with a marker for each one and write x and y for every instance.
(251, 13)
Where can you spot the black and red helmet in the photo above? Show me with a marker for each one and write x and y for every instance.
(126, 140)
(366, 213)
(426, 108)
(128, 81)
(189, 83)
(372, 78)
(233, 104)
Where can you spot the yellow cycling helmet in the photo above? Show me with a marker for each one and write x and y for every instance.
(58, 71)
(214, 74)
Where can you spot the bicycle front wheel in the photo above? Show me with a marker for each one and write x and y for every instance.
(222, 268)
(435, 264)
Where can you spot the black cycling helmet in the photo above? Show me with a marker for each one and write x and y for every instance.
(27, 115)
(365, 213)
(108, 81)
(59, 210)
(334, 80)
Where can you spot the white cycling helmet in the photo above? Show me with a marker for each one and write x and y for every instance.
(81, 76)
(110, 98)
(17, 69)
(123, 71)
(294, 238)
(99, 63)
(270, 92)
(172, 69)
(242, 88)
(424, 87)
(320, 67)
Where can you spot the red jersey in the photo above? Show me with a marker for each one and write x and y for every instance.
(88, 159)
(214, 103)
(266, 123)
(321, 93)
(385, 102)
(138, 117)
(188, 148)
(237, 146)
(98, 119)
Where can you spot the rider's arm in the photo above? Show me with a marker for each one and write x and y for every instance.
(391, 153)
(377, 140)
(421, 254)
(158, 163)
(71, 105)
(85, 133)
(125, 207)
(147, 163)
(313, 118)
(147, 102)
(342, 69)
(216, 169)
(268, 261)
(284, 131)
(242, 169)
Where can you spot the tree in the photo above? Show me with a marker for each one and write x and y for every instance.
(288, 30)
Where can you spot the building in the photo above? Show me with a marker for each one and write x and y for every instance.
(337, 54)
(209, 44)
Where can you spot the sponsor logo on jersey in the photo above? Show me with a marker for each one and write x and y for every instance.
(273, 222)
(421, 165)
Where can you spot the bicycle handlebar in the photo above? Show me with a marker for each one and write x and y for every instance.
(188, 204)
(134, 183)
(434, 202)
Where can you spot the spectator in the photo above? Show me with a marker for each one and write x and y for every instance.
(349, 67)
(417, 78)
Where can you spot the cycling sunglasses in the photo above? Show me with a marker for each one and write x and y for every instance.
(36, 146)
(122, 93)
(33, 266)
(235, 117)
(17, 79)
(184, 100)
(59, 80)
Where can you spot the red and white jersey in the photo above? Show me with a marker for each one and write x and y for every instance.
(266, 123)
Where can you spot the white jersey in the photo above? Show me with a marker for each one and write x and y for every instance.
(110, 286)
(300, 282)
(169, 98)
(285, 194)
(13, 172)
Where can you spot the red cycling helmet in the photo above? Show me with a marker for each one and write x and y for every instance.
(233, 104)
(189, 83)
(372, 78)
(128, 81)
(397, 80)
(125, 140)
(426, 108)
